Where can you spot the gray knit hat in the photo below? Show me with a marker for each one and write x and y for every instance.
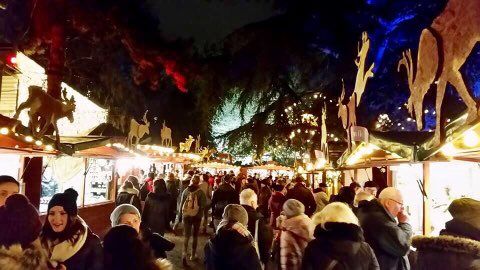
(123, 209)
(292, 208)
(235, 212)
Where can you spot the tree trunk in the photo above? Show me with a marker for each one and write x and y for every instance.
(56, 60)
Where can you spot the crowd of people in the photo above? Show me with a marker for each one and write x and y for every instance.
(257, 223)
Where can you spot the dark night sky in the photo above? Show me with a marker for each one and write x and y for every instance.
(208, 21)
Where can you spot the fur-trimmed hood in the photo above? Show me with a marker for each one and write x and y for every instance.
(133, 191)
(17, 258)
(447, 243)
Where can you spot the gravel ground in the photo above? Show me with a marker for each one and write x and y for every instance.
(175, 256)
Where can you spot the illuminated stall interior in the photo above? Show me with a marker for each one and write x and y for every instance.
(271, 169)
(217, 167)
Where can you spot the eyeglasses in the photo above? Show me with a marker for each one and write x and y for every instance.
(401, 204)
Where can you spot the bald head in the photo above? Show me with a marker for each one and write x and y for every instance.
(392, 199)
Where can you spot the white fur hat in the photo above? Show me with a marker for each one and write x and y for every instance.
(335, 212)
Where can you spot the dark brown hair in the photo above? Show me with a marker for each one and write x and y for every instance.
(73, 228)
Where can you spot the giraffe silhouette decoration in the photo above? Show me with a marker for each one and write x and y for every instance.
(347, 112)
(443, 49)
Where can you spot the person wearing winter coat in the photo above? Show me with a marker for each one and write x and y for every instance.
(300, 192)
(66, 237)
(388, 238)
(127, 214)
(258, 225)
(275, 203)
(8, 187)
(20, 226)
(124, 250)
(173, 188)
(190, 212)
(147, 186)
(294, 234)
(264, 196)
(232, 247)
(321, 197)
(458, 246)
(207, 189)
(339, 242)
(156, 209)
(224, 195)
(128, 194)
(251, 184)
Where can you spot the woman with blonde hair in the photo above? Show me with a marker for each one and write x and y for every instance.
(339, 242)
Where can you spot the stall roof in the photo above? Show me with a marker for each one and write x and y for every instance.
(385, 148)
(216, 165)
(270, 167)
(107, 129)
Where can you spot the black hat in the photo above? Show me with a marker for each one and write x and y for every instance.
(67, 199)
(19, 221)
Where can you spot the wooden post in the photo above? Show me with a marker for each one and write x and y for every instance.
(389, 177)
(427, 227)
(32, 177)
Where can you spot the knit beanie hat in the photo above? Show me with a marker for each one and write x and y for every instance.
(466, 210)
(235, 212)
(19, 221)
(67, 200)
(123, 209)
(292, 208)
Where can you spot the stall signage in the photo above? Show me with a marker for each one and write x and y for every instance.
(359, 134)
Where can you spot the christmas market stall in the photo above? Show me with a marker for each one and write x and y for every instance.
(271, 169)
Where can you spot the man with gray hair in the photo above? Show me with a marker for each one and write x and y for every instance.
(389, 238)
(258, 225)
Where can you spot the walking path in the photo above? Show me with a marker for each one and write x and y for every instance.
(175, 256)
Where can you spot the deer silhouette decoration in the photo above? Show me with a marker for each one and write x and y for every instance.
(347, 112)
(185, 146)
(137, 130)
(323, 139)
(166, 135)
(197, 144)
(44, 108)
(443, 49)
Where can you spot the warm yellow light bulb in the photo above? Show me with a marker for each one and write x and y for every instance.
(470, 138)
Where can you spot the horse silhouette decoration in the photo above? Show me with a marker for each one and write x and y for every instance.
(443, 49)
(44, 108)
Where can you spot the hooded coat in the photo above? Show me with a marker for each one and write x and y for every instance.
(15, 257)
(339, 246)
(304, 195)
(130, 196)
(156, 212)
(295, 234)
(389, 240)
(231, 250)
(458, 247)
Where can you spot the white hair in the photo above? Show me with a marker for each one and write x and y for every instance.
(362, 196)
(391, 193)
(247, 196)
(335, 212)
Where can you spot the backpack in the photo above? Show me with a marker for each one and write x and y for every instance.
(190, 207)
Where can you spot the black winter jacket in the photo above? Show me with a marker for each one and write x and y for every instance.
(340, 246)
(129, 196)
(305, 196)
(156, 212)
(223, 196)
(159, 244)
(231, 251)
(389, 240)
(265, 232)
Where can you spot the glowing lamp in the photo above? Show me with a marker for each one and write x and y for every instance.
(38, 143)
(48, 147)
(29, 139)
(4, 131)
(470, 139)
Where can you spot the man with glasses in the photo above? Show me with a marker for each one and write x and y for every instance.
(386, 229)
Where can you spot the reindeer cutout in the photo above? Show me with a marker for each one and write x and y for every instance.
(44, 108)
(185, 146)
(443, 49)
(166, 135)
(197, 144)
(137, 130)
(347, 113)
(209, 154)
